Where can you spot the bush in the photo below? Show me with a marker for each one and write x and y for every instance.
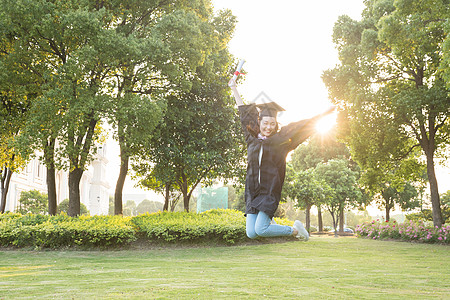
(220, 225)
(427, 215)
(43, 231)
(408, 231)
(59, 231)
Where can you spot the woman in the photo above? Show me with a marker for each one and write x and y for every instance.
(267, 148)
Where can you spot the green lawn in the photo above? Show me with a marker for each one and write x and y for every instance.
(324, 267)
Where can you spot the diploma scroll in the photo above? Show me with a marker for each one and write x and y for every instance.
(238, 69)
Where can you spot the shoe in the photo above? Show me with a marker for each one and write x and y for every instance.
(302, 233)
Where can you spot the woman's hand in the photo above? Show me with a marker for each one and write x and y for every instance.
(232, 83)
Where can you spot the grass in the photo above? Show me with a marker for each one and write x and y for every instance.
(323, 268)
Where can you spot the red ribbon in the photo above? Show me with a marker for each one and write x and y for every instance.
(237, 73)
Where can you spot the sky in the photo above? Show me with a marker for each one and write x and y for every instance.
(287, 46)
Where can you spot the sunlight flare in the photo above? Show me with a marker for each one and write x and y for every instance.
(326, 123)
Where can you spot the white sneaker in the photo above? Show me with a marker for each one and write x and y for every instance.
(302, 233)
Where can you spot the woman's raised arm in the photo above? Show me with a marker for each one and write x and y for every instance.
(237, 97)
(232, 83)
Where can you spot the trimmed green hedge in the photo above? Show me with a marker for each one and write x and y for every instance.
(63, 231)
(38, 231)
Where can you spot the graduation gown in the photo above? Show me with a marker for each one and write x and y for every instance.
(264, 182)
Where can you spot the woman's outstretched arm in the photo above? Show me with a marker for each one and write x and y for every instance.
(237, 97)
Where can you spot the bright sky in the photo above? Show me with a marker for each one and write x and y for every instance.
(286, 46)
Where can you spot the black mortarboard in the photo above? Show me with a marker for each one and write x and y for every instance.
(269, 109)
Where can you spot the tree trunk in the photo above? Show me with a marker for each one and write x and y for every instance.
(166, 198)
(49, 153)
(341, 219)
(184, 191)
(308, 217)
(74, 192)
(388, 210)
(174, 203)
(6, 178)
(51, 191)
(334, 220)
(319, 217)
(186, 202)
(434, 192)
(118, 206)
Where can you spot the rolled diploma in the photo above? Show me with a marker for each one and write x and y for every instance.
(238, 69)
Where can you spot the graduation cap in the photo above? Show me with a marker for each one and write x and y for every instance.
(269, 109)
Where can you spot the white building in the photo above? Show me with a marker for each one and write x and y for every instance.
(93, 185)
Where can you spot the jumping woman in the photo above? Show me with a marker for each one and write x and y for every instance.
(267, 149)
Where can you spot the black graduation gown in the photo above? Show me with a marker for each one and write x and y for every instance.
(266, 194)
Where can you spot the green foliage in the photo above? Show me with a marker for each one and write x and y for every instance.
(130, 208)
(319, 149)
(64, 207)
(218, 226)
(82, 62)
(147, 206)
(392, 91)
(408, 231)
(63, 231)
(303, 187)
(236, 198)
(199, 138)
(340, 184)
(32, 202)
(426, 214)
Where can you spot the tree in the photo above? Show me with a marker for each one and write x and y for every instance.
(353, 219)
(16, 92)
(130, 208)
(32, 202)
(169, 39)
(344, 190)
(425, 214)
(304, 189)
(64, 44)
(320, 149)
(389, 162)
(147, 206)
(77, 48)
(406, 198)
(136, 117)
(391, 70)
(164, 185)
(199, 137)
(12, 118)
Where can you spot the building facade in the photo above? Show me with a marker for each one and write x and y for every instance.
(93, 185)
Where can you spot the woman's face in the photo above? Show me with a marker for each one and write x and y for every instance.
(267, 126)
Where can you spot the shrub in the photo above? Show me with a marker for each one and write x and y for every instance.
(221, 225)
(408, 231)
(59, 231)
(39, 231)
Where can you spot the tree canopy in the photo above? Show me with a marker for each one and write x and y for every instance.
(85, 62)
(390, 85)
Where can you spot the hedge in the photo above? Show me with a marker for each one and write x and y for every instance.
(40, 231)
